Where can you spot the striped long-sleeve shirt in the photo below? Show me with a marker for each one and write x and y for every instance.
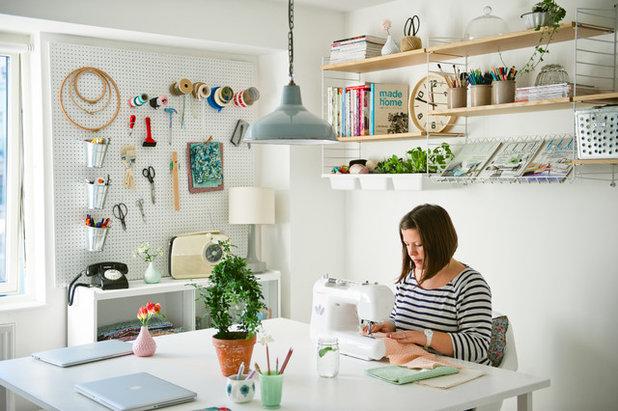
(461, 308)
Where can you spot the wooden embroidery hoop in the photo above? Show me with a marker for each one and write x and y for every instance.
(107, 79)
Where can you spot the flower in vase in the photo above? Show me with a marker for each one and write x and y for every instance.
(386, 25)
(145, 313)
(144, 252)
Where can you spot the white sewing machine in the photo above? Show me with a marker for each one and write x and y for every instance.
(339, 306)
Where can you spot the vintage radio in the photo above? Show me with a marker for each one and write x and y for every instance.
(193, 255)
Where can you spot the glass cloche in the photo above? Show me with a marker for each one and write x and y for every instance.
(552, 74)
(485, 25)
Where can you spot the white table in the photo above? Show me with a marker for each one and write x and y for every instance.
(188, 359)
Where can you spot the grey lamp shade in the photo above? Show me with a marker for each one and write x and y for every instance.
(251, 205)
(290, 123)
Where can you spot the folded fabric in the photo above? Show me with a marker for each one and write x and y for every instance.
(449, 381)
(411, 355)
(402, 375)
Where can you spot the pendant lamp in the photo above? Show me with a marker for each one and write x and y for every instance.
(291, 122)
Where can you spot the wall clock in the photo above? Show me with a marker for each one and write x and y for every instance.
(430, 89)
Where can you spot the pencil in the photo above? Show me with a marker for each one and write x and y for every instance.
(257, 367)
(267, 359)
(285, 362)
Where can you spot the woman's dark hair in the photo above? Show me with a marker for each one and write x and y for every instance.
(438, 237)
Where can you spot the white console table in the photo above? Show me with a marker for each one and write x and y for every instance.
(93, 307)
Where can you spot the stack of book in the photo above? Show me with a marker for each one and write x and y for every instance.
(550, 91)
(355, 48)
(368, 109)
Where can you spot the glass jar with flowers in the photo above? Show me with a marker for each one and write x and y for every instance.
(145, 345)
(152, 275)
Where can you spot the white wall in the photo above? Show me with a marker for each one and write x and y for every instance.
(547, 251)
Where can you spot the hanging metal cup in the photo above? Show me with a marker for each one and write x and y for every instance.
(95, 153)
(97, 193)
(95, 238)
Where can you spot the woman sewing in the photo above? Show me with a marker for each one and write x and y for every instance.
(440, 303)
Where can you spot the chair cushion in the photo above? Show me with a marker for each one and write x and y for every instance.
(499, 326)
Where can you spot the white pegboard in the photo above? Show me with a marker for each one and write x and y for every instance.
(137, 72)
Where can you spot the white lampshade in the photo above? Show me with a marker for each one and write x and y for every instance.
(251, 205)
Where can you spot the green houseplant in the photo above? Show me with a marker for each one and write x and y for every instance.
(234, 298)
(417, 160)
(547, 26)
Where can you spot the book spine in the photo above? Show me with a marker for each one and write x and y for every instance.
(329, 111)
(372, 110)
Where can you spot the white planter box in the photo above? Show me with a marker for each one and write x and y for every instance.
(408, 181)
(374, 181)
(343, 181)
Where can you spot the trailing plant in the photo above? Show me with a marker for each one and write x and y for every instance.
(233, 296)
(555, 14)
(417, 160)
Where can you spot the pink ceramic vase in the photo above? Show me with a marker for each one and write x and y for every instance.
(144, 345)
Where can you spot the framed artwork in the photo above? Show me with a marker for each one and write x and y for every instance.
(205, 166)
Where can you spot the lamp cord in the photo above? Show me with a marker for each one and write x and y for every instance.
(291, 40)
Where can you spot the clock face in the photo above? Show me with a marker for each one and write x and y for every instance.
(213, 253)
(429, 91)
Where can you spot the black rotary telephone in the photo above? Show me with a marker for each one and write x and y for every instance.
(106, 276)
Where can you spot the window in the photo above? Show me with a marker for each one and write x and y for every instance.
(11, 274)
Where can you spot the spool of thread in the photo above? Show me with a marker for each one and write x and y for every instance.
(181, 87)
(156, 102)
(138, 100)
(200, 90)
(411, 43)
(246, 97)
(220, 97)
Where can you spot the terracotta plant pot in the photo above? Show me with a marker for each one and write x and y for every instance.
(232, 353)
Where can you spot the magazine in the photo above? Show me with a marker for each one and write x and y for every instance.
(510, 160)
(469, 161)
(553, 162)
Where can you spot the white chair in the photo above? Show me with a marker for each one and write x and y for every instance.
(509, 361)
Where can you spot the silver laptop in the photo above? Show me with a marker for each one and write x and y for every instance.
(140, 391)
(80, 354)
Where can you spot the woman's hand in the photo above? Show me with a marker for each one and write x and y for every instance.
(384, 327)
(408, 337)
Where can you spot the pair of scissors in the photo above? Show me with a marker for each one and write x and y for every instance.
(120, 212)
(149, 173)
(140, 205)
(413, 24)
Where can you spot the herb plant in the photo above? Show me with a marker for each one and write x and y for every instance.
(555, 14)
(417, 160)
(233, 296)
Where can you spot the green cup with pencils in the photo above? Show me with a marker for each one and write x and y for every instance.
(271, 388)
(503, 86)
(271, 381)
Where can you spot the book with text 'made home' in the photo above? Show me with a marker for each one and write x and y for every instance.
(388, 109)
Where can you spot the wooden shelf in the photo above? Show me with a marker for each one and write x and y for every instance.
(603, 98)
(485, 45)
(507, 108)
(596, 161)
(514, 40)
(400, 136)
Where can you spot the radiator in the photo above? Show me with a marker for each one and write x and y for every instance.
(7, 352)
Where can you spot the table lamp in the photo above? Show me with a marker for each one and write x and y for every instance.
(252, 205)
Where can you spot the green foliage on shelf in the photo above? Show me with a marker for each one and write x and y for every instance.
(417, 160)
(555, 15)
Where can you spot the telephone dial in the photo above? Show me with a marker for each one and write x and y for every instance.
(106, 276)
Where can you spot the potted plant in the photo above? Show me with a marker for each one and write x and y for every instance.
(234, 298)
(407, 171)
(544, 17)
